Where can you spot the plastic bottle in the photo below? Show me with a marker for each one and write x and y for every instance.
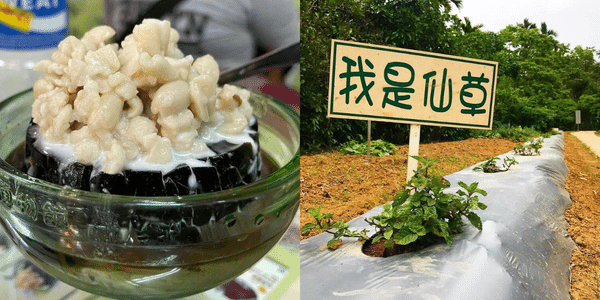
(30, 31)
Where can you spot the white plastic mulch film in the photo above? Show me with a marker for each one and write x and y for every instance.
(523, 251)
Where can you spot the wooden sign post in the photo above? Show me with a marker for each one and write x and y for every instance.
(379, 83)
(413, 150)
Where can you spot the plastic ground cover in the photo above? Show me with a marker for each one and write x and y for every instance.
(523, 251)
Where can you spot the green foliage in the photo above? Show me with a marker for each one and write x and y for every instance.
(378, 148)
(491, 165)
(513, 133)
(541, 82)
(422, 211)
(530, 148)
(550, 133)
(323, 222)
(419, 25)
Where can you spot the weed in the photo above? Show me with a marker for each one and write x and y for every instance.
(454, 159)
(348, 171)
(344, 197)
(357, 176)
(316, 171)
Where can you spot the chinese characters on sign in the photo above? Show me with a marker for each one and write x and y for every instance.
(380, 83)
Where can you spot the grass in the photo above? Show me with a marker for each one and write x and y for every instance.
(358, 177)
(454, 159)
(585, 146)
(344, 197)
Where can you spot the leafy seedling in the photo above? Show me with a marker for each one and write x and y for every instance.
(378, 148)
(422, 211)
(530, 148)
(324, 223)
(491, 165)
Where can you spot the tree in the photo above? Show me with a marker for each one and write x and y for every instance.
(412, 24)
(541, 82)
(447, 4)
(467, 28)
(545, 30)
(526, 24)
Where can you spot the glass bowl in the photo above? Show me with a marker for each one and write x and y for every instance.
(149, 247)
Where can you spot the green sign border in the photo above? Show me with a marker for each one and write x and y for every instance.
(411, 120)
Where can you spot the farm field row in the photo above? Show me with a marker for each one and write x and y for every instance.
(349, 186)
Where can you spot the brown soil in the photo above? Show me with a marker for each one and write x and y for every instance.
(583, 184)
(380, 250)
(349, 186)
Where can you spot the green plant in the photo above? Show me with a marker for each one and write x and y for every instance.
(491, 165)
(454, 159)
(378, 148)
(358, 177)
(323, 222)
(550, 133)
(420, 211)
(345, 197)
(530, 148)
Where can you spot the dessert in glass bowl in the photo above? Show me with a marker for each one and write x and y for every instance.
(141, 120)
(127, 172)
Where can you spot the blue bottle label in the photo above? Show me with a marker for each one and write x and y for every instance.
(32, 24)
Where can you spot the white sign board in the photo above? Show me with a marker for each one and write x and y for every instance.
(371, 82)
(578, 117)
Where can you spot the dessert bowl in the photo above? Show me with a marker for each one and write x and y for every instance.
(149, 247)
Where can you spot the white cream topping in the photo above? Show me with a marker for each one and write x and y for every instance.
(66, 153)
(141, 104)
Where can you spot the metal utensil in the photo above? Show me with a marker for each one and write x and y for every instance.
(281, 57)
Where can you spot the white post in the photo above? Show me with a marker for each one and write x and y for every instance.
(413, 150)
(368, 140)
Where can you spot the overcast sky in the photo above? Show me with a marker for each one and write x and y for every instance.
(577, 22)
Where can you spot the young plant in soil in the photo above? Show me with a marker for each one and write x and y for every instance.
(530, 148)
(324, 223)
(378, 148)
(421, 213)
(491, 165)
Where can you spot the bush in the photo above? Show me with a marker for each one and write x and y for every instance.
(513, 133)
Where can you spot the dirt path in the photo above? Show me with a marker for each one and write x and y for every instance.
(590, 139)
